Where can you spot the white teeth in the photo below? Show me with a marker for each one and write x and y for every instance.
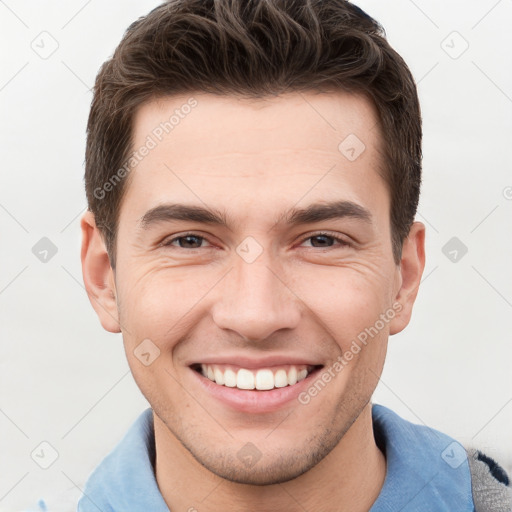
(301, 375)
(219, 376)
(244, 379)
(264, 379)
(280, 379)
(229, 379)
(292, 376)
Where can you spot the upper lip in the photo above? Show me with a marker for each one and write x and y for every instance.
(260, 362)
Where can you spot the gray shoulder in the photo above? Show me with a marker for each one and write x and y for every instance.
(491, 486)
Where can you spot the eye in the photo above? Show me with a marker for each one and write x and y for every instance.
(325, 240)
(186, 241)
(193, 241)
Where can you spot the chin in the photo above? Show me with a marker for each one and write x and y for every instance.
(260, 466)
(261, 474)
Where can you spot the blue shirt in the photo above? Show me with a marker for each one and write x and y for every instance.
(426, 470)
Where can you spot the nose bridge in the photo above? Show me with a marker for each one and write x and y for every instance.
(254, 300)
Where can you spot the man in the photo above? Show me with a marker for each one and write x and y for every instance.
(253, 173)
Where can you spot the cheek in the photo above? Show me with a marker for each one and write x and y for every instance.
(346, 301)
(157, 302)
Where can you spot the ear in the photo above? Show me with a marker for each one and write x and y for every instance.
(98, 274)
(410, 272)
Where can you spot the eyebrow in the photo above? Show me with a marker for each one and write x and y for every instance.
(172, 212)
(316, 212)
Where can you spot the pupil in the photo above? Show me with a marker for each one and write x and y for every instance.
(324, 238)
(190, 239)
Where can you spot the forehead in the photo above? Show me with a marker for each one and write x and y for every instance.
(301, 121)
(284, 146)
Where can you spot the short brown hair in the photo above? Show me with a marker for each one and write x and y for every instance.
(252, 48)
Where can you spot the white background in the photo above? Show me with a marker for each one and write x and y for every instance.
(65, 381)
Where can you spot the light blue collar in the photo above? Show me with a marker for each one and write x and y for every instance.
(426, 470)
(125, 479)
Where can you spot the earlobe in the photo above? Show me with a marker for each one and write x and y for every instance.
(98, 274)
(411, 269)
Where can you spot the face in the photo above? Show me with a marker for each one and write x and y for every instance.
(253, 251)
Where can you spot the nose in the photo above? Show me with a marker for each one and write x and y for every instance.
(255, 301)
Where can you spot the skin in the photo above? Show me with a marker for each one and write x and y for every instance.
(303, 296)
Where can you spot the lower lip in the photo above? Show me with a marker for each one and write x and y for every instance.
(253, 401)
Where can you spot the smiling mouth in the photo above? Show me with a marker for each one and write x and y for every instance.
(263, 379)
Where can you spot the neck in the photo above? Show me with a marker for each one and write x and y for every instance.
(349, 478)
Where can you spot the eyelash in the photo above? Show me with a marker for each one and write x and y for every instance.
(341, 241)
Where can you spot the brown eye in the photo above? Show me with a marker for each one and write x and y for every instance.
(325, 240)
(188, 241)
(322, 240)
